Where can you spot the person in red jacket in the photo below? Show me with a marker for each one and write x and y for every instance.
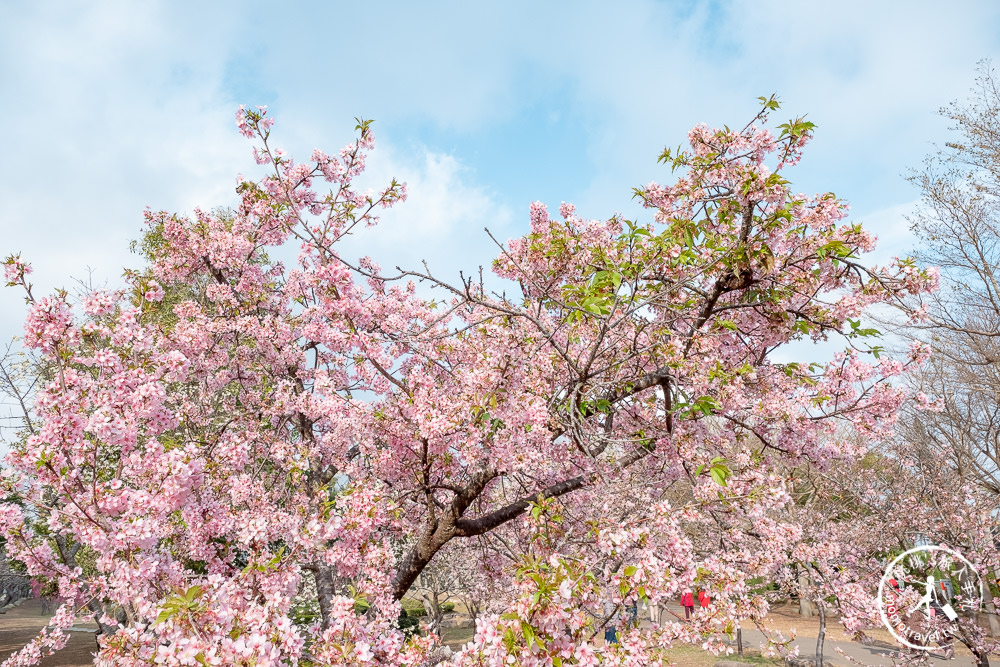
(687, 601)
(703, 598)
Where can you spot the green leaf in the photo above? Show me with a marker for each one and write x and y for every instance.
(719, 471)
(706, 405)
(770, 103)
(529, 634)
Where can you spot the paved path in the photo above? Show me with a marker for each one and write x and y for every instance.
(21, 624)
(875, 654)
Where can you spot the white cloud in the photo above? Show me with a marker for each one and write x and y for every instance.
(120, 106)
(99, 126)
(871, 75)
(112, 106)
(442, 220)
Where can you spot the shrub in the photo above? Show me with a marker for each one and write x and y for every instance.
(413, 608)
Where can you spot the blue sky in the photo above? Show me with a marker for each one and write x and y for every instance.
(109, 107)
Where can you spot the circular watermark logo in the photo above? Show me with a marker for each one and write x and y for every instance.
(925, 592)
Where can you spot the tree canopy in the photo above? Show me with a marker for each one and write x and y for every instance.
(227, 428)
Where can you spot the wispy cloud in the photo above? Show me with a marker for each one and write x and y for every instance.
(442, 222)
(113, 106)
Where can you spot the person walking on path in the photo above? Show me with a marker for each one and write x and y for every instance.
(703, 598)
(687, 601)
(654, 612)
(633, 614)
(611, 617)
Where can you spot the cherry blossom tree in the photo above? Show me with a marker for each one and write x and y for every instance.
(228, 425)
(895, 500)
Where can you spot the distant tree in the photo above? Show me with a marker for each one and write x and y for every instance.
(958, 227)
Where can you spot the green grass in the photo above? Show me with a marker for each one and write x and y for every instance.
(757, 659)
(456, 637)
(692, 656)
(683, 655)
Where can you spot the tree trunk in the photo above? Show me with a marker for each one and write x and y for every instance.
(433, 606)
(991, 610)
(822, 633)
(438, 616)
(805, 606)
(739, 641)
(325, 591)
(472, 608)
